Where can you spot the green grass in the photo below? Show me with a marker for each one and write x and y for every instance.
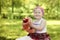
(11, 29)
(53, 30)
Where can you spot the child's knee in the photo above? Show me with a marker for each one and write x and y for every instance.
(24, 38)
(19, 39)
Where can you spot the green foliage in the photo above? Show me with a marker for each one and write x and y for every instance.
(15, 8)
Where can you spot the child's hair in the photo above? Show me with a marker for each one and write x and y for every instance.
(38, 7)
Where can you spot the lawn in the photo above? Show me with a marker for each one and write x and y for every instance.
(12, 29)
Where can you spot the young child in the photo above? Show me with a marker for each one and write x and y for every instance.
(39, 24)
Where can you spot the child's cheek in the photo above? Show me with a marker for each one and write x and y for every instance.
(41, 14)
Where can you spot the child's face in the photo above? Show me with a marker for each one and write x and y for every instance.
(38, 14)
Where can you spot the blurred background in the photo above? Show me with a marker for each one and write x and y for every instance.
(13, 11)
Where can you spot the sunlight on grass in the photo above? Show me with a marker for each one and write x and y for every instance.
(13, 29)
(53, 22)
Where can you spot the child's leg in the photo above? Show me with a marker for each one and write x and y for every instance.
(24, 38)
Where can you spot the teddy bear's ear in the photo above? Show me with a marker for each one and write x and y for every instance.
(25, 20)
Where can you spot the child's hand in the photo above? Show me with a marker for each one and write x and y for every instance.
(27, 20)
(30, 19)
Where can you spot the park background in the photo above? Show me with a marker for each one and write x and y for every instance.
(13, 11)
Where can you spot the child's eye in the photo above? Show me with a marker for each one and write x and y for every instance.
(35, 12)
(38, 12)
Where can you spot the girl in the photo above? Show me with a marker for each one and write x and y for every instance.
(39, 24)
